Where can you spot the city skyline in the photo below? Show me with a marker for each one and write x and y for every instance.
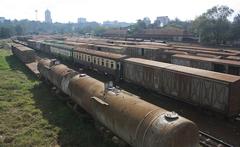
(123, 11)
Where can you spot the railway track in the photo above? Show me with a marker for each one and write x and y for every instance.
(207, 140)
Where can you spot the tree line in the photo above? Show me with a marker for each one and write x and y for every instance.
(212, 27)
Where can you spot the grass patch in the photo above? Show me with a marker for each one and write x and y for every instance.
(31, 116)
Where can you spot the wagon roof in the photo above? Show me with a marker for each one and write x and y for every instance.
(74, 43)
(196, 47)
(175, 52)
(214, 60)
(185, 70)
(145, 46)
(100, 53)
(22, 48)
(207, 52)
(108, 46)
(233, 57)
(59, 45)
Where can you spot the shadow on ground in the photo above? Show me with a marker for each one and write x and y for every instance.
(17, 65)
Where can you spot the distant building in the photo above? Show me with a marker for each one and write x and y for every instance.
(115, 33)
(48, 18)
(168, 34)
(161, 21)
(82, 20)
(147, 20)
(2, 19)
(116, 24)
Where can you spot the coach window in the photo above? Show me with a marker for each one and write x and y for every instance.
(107, 63)
(118, 66)
(94, 60)
(142, 51)
(80, 56)
(98, 61)
(112, 66)
(102, 62)
(85, 56)
(88, 58)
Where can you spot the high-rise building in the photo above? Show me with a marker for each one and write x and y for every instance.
(48, 18)
(2, 19)
(82, 20)
(162, 21)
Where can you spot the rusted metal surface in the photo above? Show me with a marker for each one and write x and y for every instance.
(58, 74)
(100, 53)
(218, 53)
(33, 67)
(206, 59)
(25, 54)
(139, 123)
(207, 55)
(143, 51)
(196, 48)
(166, 55)
(215, 91)
(237, 58)
(229, 66)
(191, 63)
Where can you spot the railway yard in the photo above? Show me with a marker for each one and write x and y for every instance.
(147, 94)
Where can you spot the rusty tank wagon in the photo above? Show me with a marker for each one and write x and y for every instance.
(137, 122)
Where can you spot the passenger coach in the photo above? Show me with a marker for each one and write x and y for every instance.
(109, 63)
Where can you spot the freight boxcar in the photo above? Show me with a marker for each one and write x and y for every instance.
(217, 53)
(57, 50)
(25, 54)
(143, 51)
(213, 64)
(109, 63)
(212, 90)
(166, 55)
(108, 48)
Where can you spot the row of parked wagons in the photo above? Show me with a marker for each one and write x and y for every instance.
(216, 91)
(219, 60)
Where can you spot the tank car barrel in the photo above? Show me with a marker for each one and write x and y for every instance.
(139, 123)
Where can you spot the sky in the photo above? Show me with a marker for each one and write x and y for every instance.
(102, 10)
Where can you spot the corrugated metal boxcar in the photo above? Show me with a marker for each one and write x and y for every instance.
(58, 50)
(25, 54)
(143, 51)
(217, 53)
(215, 91)
(213, 64)
(166, 55)
(108, 48)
